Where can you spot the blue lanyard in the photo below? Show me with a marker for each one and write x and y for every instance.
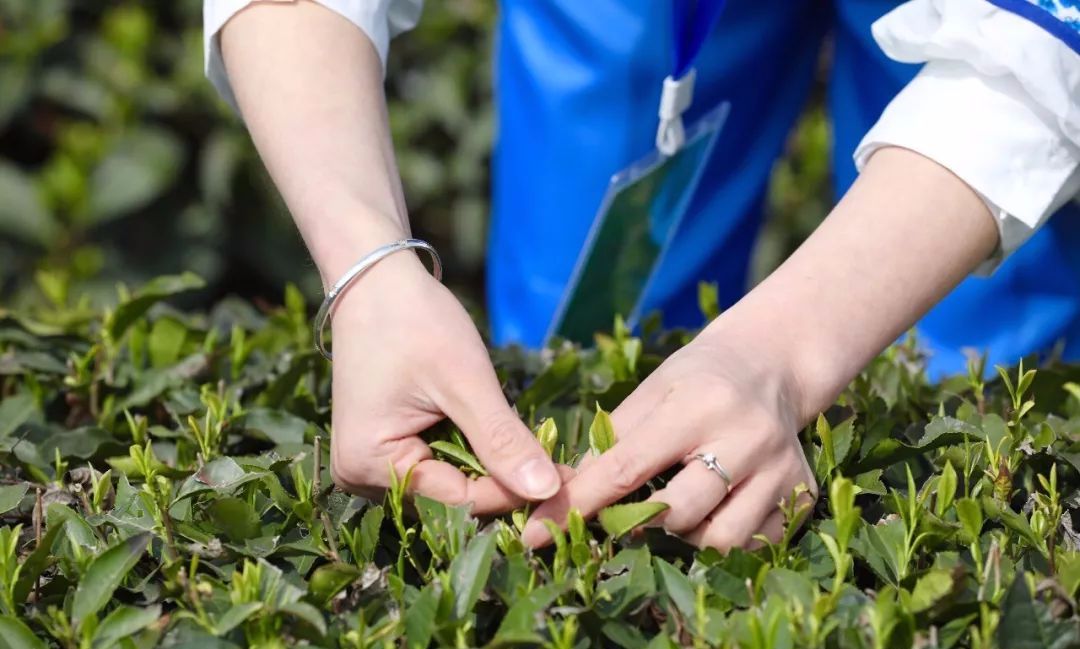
(693, 21)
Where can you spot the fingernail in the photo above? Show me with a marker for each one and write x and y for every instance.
(538, 478)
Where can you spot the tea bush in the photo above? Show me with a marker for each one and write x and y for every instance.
(164, 483)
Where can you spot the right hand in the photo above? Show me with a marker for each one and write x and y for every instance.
(406, 355)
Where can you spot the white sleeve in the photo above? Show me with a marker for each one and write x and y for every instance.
(998, 104)
(380, 20)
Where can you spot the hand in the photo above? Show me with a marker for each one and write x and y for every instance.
(406, 355)
(710, 397)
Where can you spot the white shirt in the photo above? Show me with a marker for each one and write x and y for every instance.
(997, 103)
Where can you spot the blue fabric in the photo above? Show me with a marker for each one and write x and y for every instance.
(1059, 17)
(693, 21)
(577, 89)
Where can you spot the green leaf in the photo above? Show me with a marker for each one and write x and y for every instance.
(15, 411)
(671, 582)
(278, 426)
(235, 517)
(166, 342)
(16, 635)
(105, 574)
(420, 617)
(329, 580)
(23, 215)
(459, 455)
(548, 435)
(619, 520)
(601, 432)
(35, 564)
(370, 525)
(306, 613)
(235, 616)
(709, 300)
(1029, 624)
(469, 573)
(150, 294)
(557, 379)
(124, 621)
(946, 489)
(11, 496)
(140, 167)
(930, 589)
(525, 617)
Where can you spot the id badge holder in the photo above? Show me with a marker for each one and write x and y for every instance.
(632, 233)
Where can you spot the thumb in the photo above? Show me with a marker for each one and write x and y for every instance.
(504, 445)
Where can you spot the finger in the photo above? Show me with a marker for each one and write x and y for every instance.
(739, 516)
(690, 496)
(622, 469)
(772, 529)
(502, 442)
(697, 490)
(446, 483)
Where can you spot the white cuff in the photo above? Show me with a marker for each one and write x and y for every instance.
(380, 20)
(994, 104)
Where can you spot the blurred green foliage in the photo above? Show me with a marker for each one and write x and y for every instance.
(118, 162)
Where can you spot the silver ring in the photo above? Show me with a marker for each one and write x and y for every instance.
(366, 262)
(709, 460)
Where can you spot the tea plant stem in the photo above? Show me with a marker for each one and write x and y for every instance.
(316, 495)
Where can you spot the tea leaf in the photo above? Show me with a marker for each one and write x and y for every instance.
(601, 432)
(619, 520)
(123, 622)
(150, 294)
(16, 635)
(420, 618)
(460, 455)
(11, 496)
(105, 574)
(469, 573)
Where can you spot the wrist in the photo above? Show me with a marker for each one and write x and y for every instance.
(338, 238)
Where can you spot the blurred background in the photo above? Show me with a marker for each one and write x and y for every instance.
(119, 163)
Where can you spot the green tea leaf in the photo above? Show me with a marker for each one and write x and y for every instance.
(235, 517)
(619, 520)
(11, 496)
(124, 621)
(525, 617)
(235, 616)
(16, 635)
(459, 455)
(672, 583)
(548, 435)
(150, 294)
(1028, 624)
(105, 574)
(420, 618)
(278, 426)
(329, 580)
(166, 342)
(930, 589)
(709, 300)
(601, 432)
(557, 379)
(469, 573)
(370, 525)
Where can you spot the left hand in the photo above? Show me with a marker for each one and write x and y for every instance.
(713, 396)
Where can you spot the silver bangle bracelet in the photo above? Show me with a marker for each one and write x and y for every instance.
(366, 262)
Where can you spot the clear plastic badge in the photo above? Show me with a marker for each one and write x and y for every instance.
(632, 233)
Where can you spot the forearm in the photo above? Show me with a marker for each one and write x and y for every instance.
(309, 86)
(906, 234)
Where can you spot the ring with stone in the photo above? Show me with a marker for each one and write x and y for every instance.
(710, 462)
